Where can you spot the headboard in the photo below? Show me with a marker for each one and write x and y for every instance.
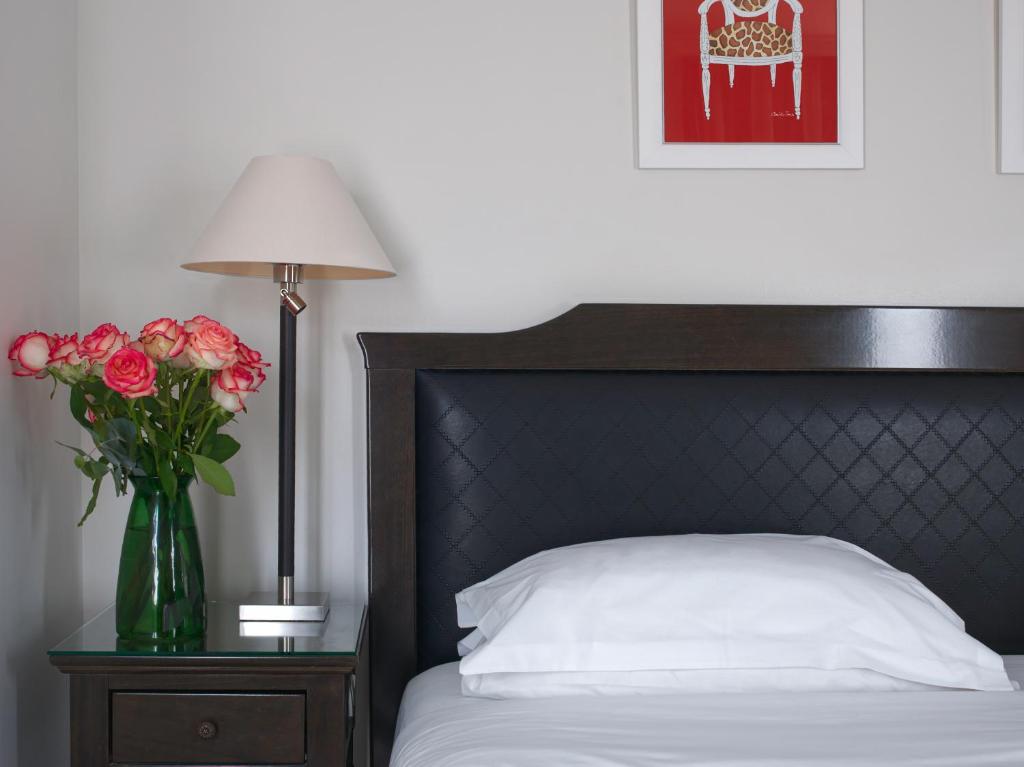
(899, 429)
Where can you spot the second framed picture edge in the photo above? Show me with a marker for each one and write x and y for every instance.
(1011, 86)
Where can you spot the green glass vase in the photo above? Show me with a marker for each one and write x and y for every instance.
(161, 589)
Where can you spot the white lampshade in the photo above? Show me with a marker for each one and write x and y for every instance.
(290, 210)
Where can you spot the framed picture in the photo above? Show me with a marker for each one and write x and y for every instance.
(750, 83)
(1011, 86)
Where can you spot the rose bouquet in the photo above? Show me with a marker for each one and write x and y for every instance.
(154, 406)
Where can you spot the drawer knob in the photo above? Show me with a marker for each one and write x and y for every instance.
(207, 730)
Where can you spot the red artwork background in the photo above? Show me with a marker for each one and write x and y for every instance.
(752, 111)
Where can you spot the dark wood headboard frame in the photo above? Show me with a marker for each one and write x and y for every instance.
(624, 337)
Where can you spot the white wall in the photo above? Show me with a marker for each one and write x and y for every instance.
(40, 547)
(491, 147)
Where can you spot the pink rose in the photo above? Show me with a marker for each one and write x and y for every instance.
(211, 346)
(195, 322)
(101, 344)
(250, 357)
(230, 387)
(130, 373)
(29, 354)
(64, 352)
(163, 339)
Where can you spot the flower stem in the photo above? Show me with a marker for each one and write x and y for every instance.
(212, 414)
(186, 402)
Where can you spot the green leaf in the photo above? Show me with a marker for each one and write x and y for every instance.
(81, 453)
(168, 481)
(221, 447)
(200, 398)
(79, 407)
(92, 469)
(96, 388)
(119, 446)
(91, 506)
(120, 481)
(114, 451)
(111, 451)
(125, 431)
(213, 474)
(160, 439)
(163, 439)
(186, 464)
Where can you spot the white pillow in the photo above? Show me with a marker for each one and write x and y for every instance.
(718, 602)
(555, 684)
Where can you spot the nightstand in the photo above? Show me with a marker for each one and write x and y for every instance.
(229, 700)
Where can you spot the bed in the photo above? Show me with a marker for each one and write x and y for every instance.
(897, 429)
(440, 726)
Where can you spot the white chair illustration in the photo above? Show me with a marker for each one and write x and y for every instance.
(748, 43)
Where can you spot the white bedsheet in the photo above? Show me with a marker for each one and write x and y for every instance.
(438, 727)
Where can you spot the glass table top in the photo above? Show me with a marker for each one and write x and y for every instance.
(338, 635)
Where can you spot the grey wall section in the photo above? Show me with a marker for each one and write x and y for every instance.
(40, 493)
(490, 145)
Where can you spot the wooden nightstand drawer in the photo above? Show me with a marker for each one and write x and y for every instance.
(208, 728)
(263, 701)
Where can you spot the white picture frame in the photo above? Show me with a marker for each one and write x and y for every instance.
(1011, 86)
(653, 152)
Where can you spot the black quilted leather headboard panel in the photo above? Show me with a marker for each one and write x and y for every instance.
(924, 470)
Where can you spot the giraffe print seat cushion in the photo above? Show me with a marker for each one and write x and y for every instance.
(751, 39)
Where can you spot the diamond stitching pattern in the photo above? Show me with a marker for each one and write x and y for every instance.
(926, 471)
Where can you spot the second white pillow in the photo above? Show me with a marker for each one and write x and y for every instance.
(557, 684)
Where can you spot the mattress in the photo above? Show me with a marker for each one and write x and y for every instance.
(438, 727)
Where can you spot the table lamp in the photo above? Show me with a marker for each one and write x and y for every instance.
(289, 218)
